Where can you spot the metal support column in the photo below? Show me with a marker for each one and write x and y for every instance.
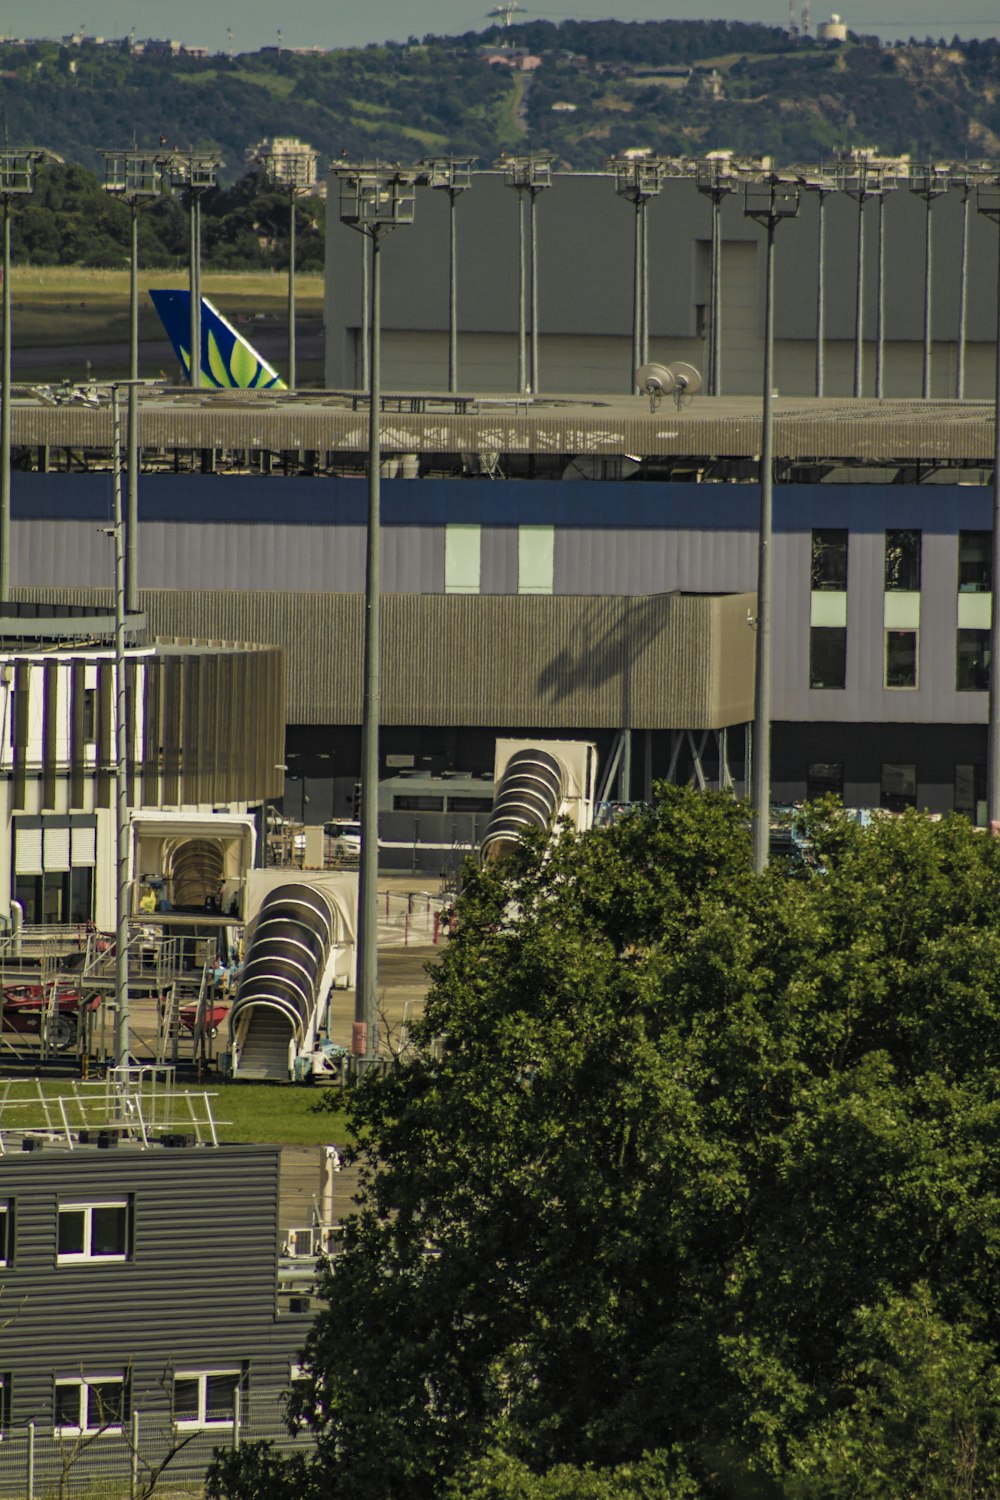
(644, 246)
(636, 294)
(859, 309)
(993, 722)
(292, 375)
(925, 382)
(533, 228)
(452, 293)
(963, 298)
(132, 460)
(5, 417)
(366, 994)
(366, 313)
(820, 294)
(880, 301)
(522, 366)
(121, 1047)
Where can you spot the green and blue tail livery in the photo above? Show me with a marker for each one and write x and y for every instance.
(228, 361)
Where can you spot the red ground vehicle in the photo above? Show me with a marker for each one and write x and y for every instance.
(214, 1017)
(24, 1006)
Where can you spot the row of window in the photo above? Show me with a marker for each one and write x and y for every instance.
(84, 1405)
(902, 561)
(828, 659)
(463, 559)
(898, 788)
(85, 1232)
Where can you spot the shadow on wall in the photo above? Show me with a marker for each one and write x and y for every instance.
(606, 651)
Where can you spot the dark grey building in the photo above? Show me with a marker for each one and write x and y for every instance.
(139, 1303)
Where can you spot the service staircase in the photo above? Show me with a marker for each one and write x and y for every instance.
(265, 1046)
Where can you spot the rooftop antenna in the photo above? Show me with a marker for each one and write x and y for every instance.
(279, 41)
(229, 41)
(793, 25)
(805, 17)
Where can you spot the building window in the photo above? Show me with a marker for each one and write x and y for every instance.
(4, 1402)
(470, 804)
(902, 562)
(901, 658)
(829, 560)
(90, 715)
(535, 559)
(827, 656)
(899, 786)
(970, 792)
(94, 1231)
(972, 667)
(413, 802)
(462, 559)
(90, 1404)
(824, 778)
(975, 562)
(205, 1398)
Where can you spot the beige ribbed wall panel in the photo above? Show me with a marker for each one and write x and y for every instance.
(729, 426)
(665, 661)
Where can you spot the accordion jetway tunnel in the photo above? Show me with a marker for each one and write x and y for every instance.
(300, 944)
(537, 782)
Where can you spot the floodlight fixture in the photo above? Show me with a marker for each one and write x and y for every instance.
(290, 167)
(821, 183)
(637, 179)
(195, 172)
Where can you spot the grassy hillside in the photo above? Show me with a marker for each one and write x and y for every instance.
(751, 88)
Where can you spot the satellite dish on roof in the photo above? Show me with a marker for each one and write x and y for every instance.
(657, 381)
(654, 380)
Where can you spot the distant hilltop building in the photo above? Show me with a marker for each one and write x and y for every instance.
(289, 161)
(834, 30)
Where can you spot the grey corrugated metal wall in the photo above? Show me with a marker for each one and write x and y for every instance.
(669, 661)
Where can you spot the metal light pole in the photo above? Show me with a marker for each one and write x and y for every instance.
(767, 200)
(529, 175)
(452, 175)
(716, 178)
(861, 177)
(988, 203)
(17, 180)
(822, 186)
(373, 198)
(291, 168)
(136, 177)
(121, 752)
(196, 173)
(638, 180)
(963, 290)
(929, 182)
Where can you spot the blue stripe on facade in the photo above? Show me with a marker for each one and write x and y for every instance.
(253, 500)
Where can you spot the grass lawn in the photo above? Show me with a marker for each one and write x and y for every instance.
(277, 1114)
(282, 1113)
(60, 305)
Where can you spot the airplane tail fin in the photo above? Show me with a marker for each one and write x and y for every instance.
(228, 360)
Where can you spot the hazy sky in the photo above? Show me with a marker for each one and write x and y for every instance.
(331, 23)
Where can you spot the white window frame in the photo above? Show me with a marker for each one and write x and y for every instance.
(87, 1255)
(203, 1420)
(83, 1384)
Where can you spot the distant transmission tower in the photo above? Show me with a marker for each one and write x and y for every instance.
(506, 12)
(805, 17)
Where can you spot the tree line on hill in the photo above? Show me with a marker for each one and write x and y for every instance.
(71, 220)
(750, 88)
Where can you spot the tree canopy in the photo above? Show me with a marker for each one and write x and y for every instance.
(690, 1187)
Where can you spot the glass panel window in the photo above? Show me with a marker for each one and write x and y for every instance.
(975, 562)
(972, 674)
(462, 559)
(902, 561)
(899, 786)
(414, 803)
(827, 656)
(4, 1402)
(829, 559)
(470, 804)
(535, 559)
(90, 1404)
(970, 792)
(93, 1231)
(824, 778)
(203, 1398)
(901, 658)
(6, 1233)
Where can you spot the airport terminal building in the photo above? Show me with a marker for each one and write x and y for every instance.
(574, 569)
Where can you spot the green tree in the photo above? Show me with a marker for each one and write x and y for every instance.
(690, 1164)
